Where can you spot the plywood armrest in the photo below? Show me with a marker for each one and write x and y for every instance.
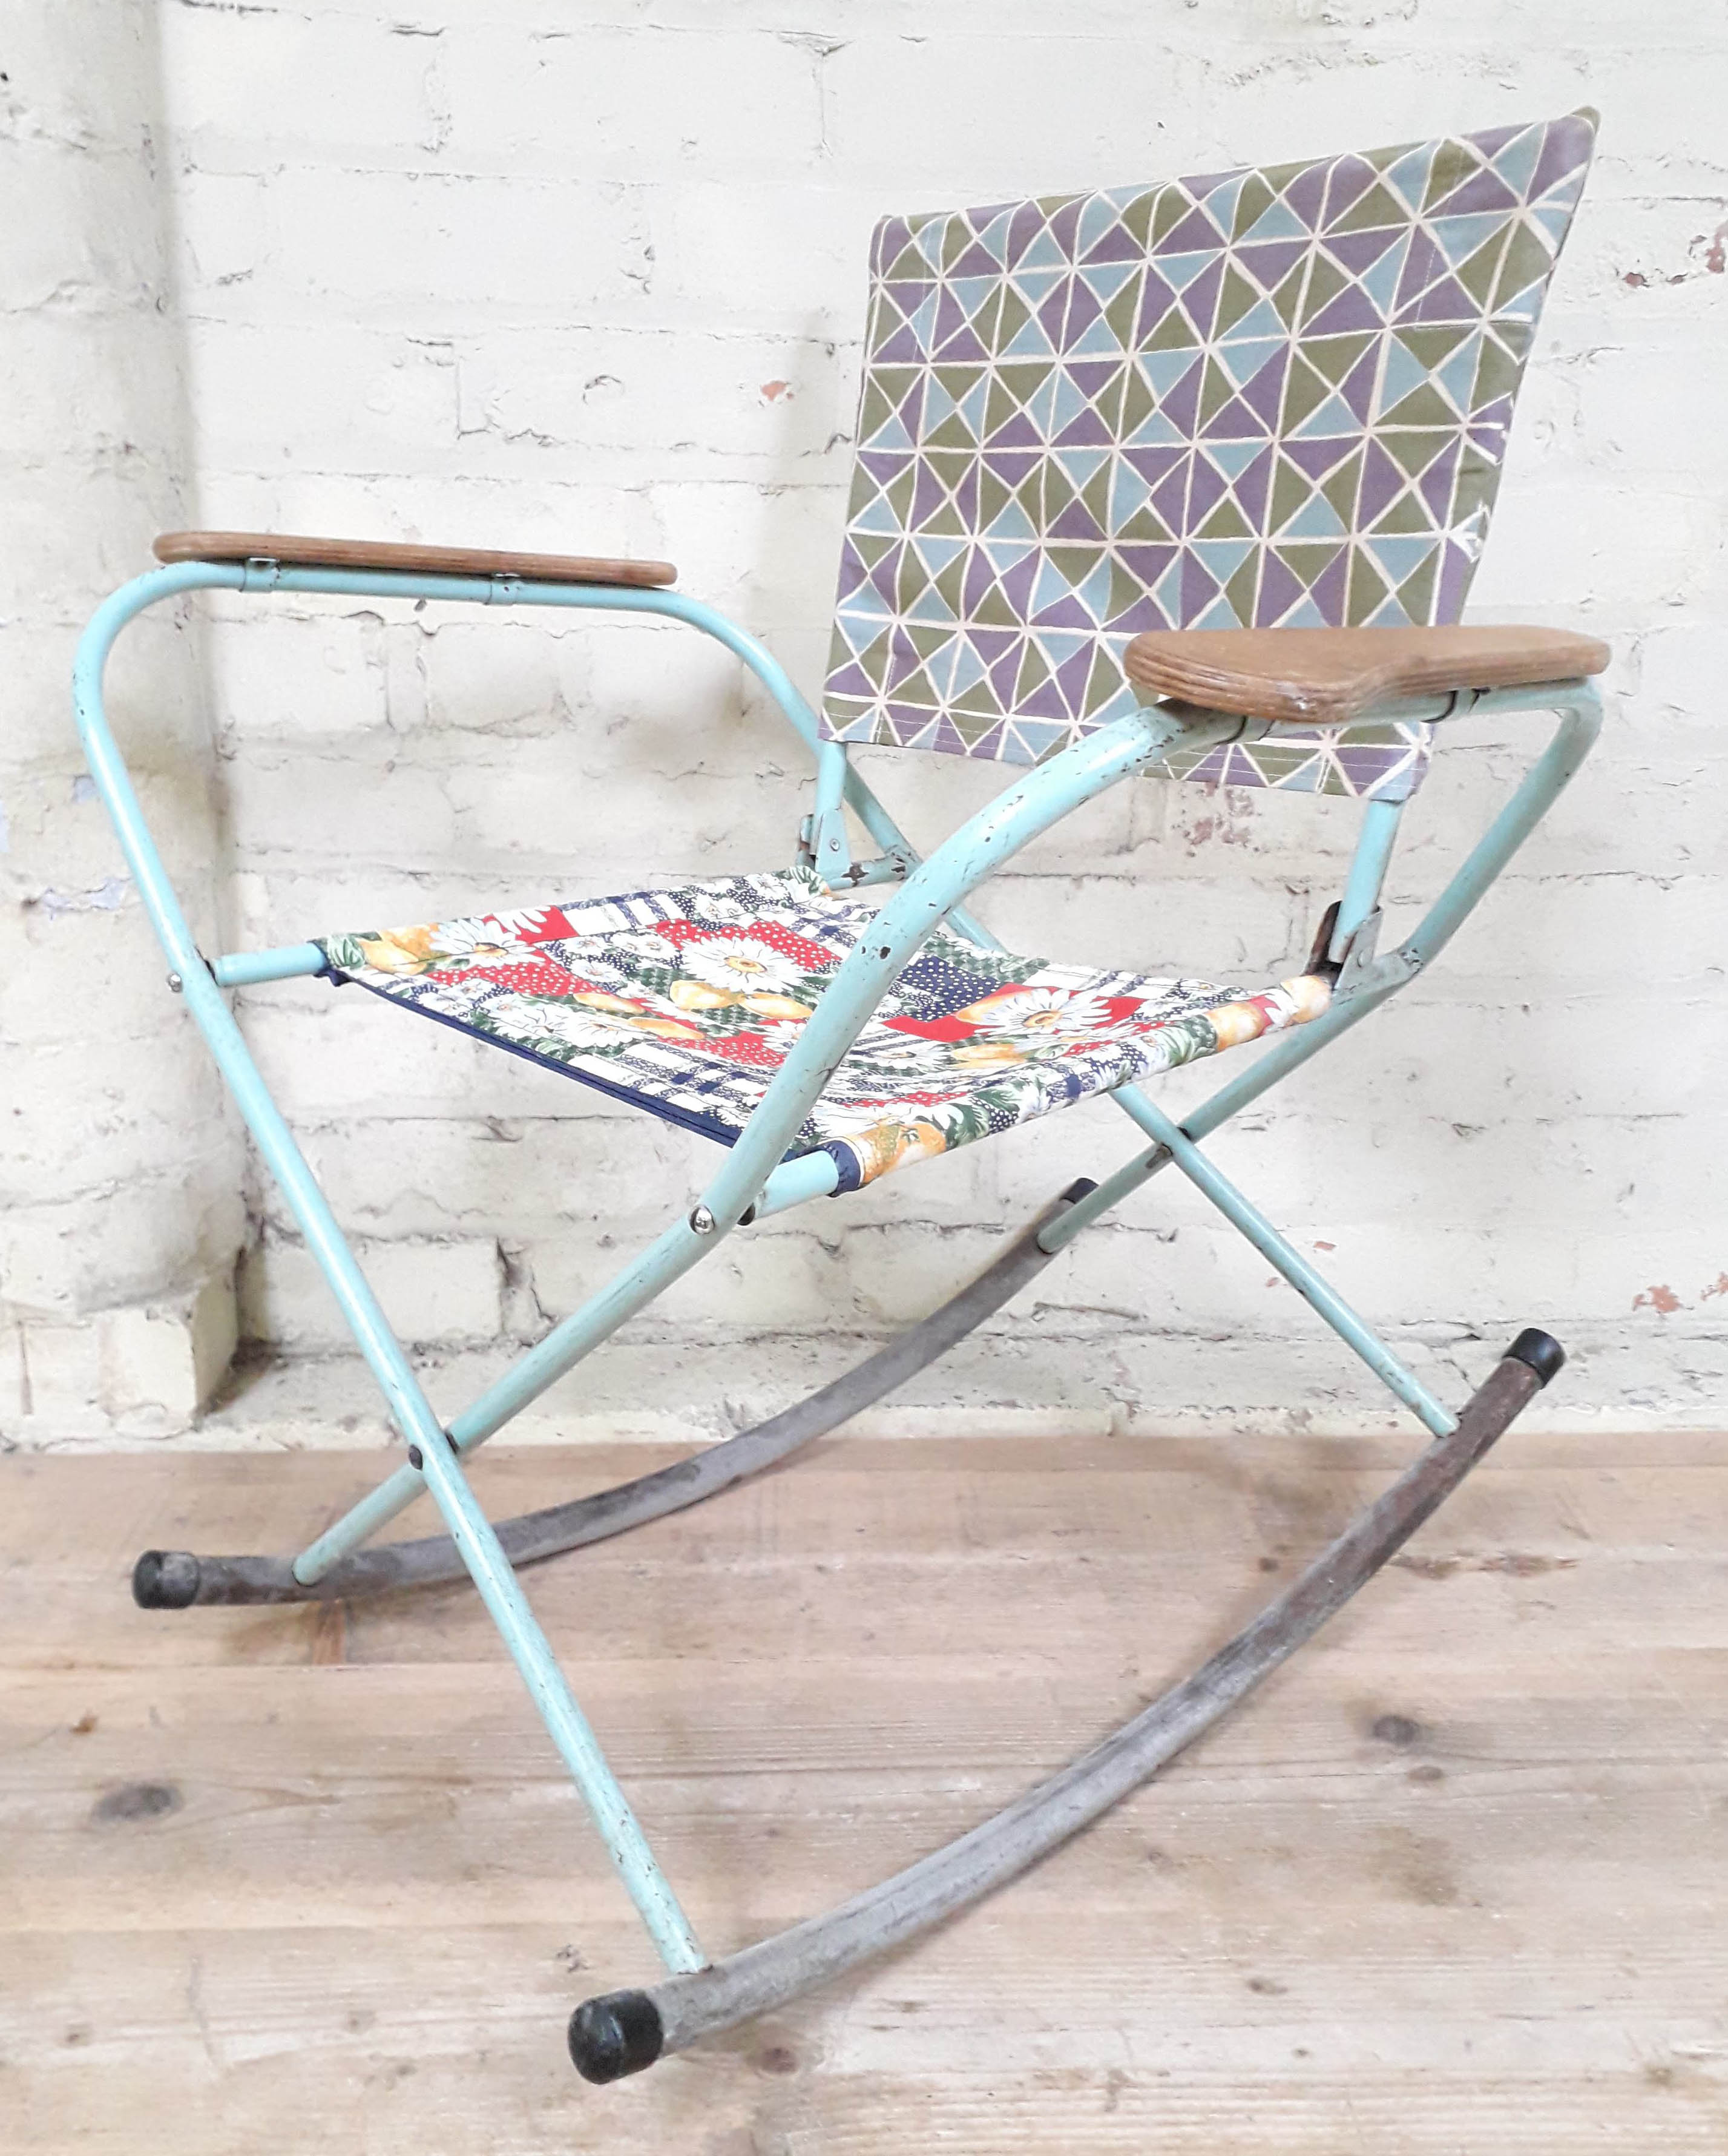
(1326, 677)
(301, 552)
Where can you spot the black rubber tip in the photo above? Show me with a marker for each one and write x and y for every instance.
(166, 1579)
(1540, 1352)
(616, 2034)
(1083, 1186)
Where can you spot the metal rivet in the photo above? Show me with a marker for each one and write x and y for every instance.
(702, 1220)
(176, 984)
(417, 1459)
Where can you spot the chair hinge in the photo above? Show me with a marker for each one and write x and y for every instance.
(1363, 970)
(1390, 971)
(1357, 955)
(831, 855)
(1356, 966)
(893, 865)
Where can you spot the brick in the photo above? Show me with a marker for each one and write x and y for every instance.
(769, 400)
(369, 242)
(444, 1292)
(265, 85)
(631, 98)
(14, 1387)
(271, 396)
(145, 1370)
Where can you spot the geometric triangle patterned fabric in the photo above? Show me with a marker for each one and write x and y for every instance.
(1256, 399)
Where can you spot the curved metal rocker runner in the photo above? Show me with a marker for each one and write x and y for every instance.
(1185, 481)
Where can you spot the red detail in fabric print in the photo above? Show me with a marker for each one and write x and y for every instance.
(527, 976)
(749, 1048)
(548, 924)
(809, 957)
(931, 1029)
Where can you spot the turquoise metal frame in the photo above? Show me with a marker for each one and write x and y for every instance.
(753, 1180)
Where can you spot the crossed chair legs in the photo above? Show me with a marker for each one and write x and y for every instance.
(622, 2032)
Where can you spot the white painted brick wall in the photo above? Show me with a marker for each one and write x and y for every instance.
(121, 1169)
(589, 276)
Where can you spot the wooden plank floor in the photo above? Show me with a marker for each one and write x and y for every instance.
(1453, 1882)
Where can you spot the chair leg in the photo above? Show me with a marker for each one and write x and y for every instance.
(176, 1579)
(622, 2032)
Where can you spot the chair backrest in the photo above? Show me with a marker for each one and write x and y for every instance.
(1255, 398)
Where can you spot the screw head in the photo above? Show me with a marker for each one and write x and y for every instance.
(702, 1220)
(175, 983)
(417, 1459)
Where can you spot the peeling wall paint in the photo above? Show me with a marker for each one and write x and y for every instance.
(108, 897)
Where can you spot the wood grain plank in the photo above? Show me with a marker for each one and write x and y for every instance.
(296, 550)
(1084, 1557)
(1451, 1882)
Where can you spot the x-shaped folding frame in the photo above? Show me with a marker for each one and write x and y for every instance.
(623, 2031)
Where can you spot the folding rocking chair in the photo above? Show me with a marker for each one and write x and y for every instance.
(1234, 438)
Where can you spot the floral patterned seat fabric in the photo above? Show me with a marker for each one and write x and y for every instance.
(686, 1001)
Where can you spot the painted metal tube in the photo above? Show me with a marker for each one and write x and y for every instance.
(468, 1528)
(158, 585)
(529, 1649)
(876, 819)
(409, 1408)
(678, 1249)
(648, 1276)
(885, 868)
(1316, 1292)
(372, 1333)
(666, 605)
(1542, 785)
(621, 2033)
(1367, 872)
(1580, 722)
(591, 598)
(669, 1255)
(976, 850)
(674, 1251)
(176, 1579)
(830, 852)
(979, 849)
(795, 1183)
(113, 783)
(245, 969)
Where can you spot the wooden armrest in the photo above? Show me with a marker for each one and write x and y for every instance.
(389, 554)
(1324, 677)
